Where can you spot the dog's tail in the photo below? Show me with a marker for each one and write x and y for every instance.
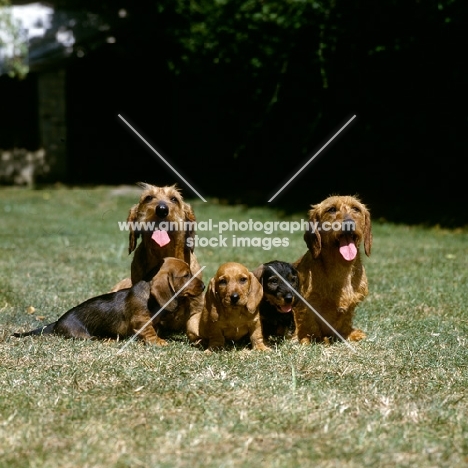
(44, 330)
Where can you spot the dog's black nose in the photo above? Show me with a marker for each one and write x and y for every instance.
(234, 298)
(288, 298)
(162, 210)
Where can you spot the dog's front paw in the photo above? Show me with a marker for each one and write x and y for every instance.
(261, 347)
(356, 335)
(156, 341)
(305, 340)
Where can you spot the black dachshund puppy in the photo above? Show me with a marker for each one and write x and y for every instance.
(125, 312)
(278, 298)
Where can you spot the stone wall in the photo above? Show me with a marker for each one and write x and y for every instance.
(22, 167)
(33, 129)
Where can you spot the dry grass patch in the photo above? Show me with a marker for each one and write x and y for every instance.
(397, 398)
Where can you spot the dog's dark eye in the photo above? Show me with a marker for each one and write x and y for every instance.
(332, 209)
(148, 198)
(243, 280)
(356, 209)
(174, 200)
(222, 282)
(187, 275)
(273, 280)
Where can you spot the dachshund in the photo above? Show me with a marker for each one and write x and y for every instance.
(278, 297)
(125, 312)
(331, 275)
(166, 225)
(231, 309)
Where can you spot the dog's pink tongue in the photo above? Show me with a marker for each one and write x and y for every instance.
(286, 308)
(161, 238)
(348, 249)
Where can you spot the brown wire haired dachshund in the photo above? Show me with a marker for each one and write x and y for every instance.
(122, 313)
(165, 223)
(332, 278)
(231, 308)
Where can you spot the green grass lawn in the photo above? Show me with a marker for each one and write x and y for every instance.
(398, 398)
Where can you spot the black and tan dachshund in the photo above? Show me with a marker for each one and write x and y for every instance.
(278, 299)
(122, 313)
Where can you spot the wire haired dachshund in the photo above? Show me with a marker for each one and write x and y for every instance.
(125, 312)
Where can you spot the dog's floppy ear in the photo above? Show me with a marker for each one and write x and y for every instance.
(312, 235)
(189, 219)
(258, 273)
(212, 302)
(133, 236)
(255, 294)
(162, 288)
(367, 234)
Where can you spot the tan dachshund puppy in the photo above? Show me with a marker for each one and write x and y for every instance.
(231, 308)
(123, 313)
(166, 225)
(331, 276)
